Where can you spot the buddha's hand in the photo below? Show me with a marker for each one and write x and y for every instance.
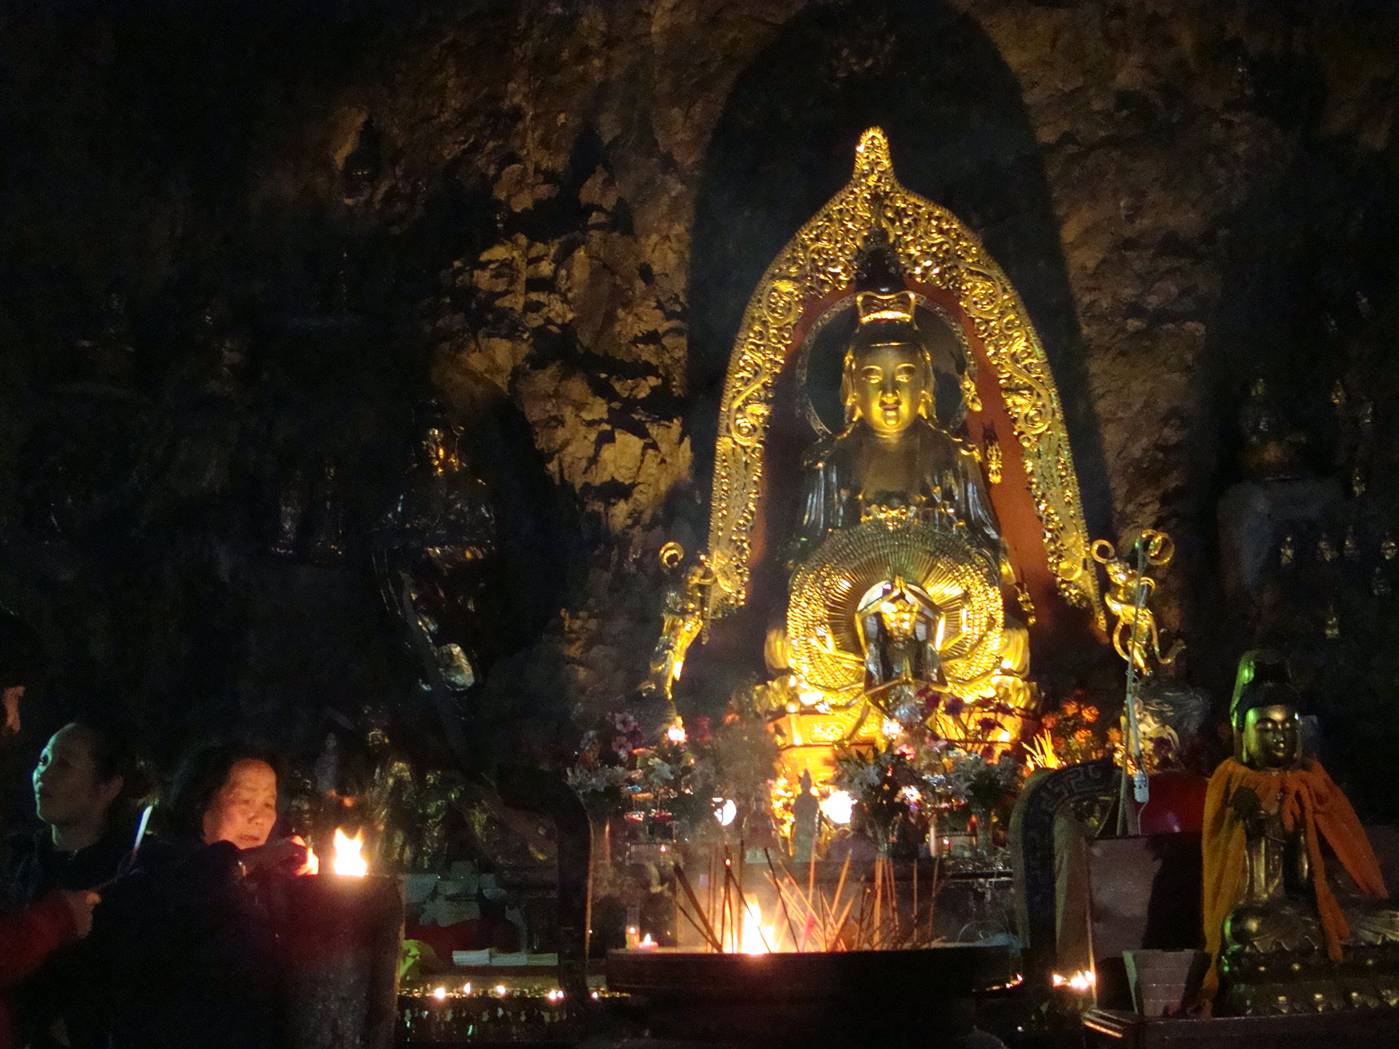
(284, 854)
(1248, 809)
(80, 906)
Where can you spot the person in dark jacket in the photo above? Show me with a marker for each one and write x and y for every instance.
(81, 781)
(183, 952)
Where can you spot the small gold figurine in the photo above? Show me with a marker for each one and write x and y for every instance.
(1388, 547)
(1287, 551)
(1135, 635)
(1365, 415)
(1326, 551)
(994, 458)
(681, 622)
(1358, 481)
(970, 397)
(1350, 546)
(1332, 630)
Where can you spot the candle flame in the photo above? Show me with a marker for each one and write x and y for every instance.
(313, 862)
(349, 860)
(1081, 981)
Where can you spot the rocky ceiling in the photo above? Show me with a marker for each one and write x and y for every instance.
(549, 215)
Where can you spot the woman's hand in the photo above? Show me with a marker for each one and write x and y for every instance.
(283, 854)
(80, 906)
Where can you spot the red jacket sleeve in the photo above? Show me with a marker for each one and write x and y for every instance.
(29, 936)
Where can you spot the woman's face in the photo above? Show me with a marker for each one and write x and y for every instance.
(245, 807)
(67, 788)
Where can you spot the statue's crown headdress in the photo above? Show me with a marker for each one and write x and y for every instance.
(1262, 680)
(873, 306)
(881, 294)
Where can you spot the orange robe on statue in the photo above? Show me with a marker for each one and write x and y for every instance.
(1310, 800)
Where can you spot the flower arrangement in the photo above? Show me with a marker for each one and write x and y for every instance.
(1074, 734)
(605, 764)
(669, 780)
(900, 787)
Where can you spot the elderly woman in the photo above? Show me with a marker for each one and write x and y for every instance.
(183, 949)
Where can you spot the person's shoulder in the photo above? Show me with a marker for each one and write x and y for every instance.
(22, 847)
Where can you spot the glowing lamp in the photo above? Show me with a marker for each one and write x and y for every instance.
(838, 806)
(725, 811)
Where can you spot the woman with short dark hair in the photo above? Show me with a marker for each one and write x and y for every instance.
(82, 780)
(182, 947)
(195, 793)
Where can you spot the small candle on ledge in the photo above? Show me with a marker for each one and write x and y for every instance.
(646, 944)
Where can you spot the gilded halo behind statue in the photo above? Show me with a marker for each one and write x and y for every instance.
(961, 612)
(914, 545)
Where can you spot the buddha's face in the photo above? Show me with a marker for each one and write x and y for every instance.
(890, 386)
(1272, 737)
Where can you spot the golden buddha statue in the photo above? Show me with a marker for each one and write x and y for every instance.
(892, 595)
(1286, 933)
(896, 592)
(892, 459)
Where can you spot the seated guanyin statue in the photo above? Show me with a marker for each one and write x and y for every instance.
(893, 459)
(878, 572)
(1296, 911)
(899, 564)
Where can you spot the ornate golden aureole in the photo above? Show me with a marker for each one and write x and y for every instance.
(941, 258)
(905, 559)
(830, 590)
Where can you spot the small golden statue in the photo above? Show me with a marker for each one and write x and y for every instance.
(1287, 931)
(681, 623)
(1135, 635)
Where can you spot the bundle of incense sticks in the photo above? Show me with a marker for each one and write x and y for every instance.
(859, 915)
